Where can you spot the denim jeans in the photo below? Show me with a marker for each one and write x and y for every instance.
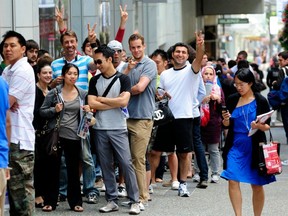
(199, 150)
(98, 172)
(214, 153)
(63, 177)
(89, 175)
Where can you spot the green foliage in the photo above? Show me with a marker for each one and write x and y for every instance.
(283, 39)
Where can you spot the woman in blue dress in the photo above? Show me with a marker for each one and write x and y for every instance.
(241, 151)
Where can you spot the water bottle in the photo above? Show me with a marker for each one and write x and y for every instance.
(83, 128)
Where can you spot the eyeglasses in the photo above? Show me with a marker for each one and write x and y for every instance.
(118, 51)
(98, 61)
(241, 85)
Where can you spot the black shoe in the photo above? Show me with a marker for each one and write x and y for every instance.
(202, 184)
(39, 205)
(61, 198)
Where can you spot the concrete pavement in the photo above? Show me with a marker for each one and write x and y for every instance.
(213, 201)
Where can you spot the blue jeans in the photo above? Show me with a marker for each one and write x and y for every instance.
(63, 177)
(199, 150)
(89, 175)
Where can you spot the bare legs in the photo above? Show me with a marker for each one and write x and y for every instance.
(258, 198)
(235, 195)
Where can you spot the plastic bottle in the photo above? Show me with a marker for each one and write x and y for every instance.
(83, 128)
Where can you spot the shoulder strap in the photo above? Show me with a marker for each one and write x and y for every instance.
(111, 84)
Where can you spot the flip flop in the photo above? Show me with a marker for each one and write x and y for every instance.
(78, 209)
(47, 208)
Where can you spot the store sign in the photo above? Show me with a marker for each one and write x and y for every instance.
(233, 20)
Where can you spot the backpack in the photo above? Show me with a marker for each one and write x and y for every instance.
(278, 97)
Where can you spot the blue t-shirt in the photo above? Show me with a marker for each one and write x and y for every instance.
(82, 62)
(4, 91)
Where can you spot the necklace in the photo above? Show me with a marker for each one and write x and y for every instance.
(42, 89)
(246, 116)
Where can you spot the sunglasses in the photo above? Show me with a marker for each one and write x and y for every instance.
(98, 61)
(118, 51)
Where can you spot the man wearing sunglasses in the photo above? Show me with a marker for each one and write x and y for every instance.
(117, 61)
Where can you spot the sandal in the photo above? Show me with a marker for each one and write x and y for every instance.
(78, 209)
(47, 208)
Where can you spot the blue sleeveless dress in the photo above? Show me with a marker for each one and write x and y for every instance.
(240, 155)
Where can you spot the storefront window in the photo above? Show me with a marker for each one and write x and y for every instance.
(49, 31)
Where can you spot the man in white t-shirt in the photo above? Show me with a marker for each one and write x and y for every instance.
(181, 83)
(20, 78)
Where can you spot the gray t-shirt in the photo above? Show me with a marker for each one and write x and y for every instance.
(70, 120)
(141, 106)
(112, 119)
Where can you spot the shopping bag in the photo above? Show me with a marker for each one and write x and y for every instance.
(162, 113)
(269, 159)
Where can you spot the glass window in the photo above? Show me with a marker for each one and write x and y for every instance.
(49, 31)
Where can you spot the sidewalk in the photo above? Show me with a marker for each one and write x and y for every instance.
(213, 201)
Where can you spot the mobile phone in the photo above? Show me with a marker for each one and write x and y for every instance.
(224, 108)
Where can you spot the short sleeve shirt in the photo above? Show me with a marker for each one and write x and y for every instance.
(21, 80)
(3, 109)
(82, 62)
(112, 119)
(141, 106)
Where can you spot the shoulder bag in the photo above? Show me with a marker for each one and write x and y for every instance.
(269, 157)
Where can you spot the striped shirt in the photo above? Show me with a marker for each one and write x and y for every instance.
(82, 62)
(21, 80)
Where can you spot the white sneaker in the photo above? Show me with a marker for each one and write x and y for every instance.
(111, 206)
(135, 209)
(151, 191)
(196, 177)
(175, 185)
(284, 163)
(182, 191)
(141, 206)
(214, 178)
(103, 188)
(122, 191)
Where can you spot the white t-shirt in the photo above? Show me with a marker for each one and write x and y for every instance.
(21, 80)
(183, 86)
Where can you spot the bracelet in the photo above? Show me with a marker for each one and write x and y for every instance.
(62, 31)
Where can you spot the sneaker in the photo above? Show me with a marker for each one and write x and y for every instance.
(202, 184)
(126, 203)
(134, 209)
(284, 163)
(103, 188)
(110, 207)
(175, 185)
(141, 206)
(151, 191)
(92, 198)
(122, 191)
(182, 191)
(214, 178)
(196, 177)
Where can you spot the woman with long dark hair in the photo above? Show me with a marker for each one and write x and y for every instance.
(68, 104)
(240, 154)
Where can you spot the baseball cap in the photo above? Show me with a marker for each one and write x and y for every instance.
(114, 44)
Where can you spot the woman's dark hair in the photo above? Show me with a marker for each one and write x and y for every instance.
(44, 61)
(66, 68)
(245, 75)
(87, 41)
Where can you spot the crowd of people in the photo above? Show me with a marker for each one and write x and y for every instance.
(124, 151)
